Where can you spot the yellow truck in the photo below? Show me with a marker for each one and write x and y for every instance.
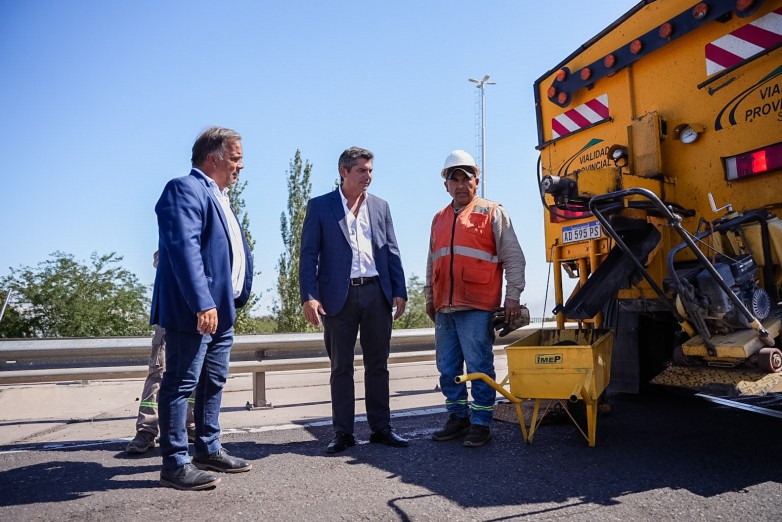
(660, 172)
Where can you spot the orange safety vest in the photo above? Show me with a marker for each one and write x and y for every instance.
(465, 267)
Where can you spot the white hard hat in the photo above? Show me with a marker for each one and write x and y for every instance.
(460, 158)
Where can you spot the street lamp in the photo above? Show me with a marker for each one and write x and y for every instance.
(5, 303)
(480, 85)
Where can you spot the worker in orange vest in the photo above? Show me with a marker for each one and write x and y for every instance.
(472, 243)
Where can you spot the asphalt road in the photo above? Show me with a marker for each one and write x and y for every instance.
(658, 457)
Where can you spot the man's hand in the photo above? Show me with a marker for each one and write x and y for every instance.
(399, 303)
(512, 310)
(312, 311)
(430, 310)
(207, 321)
(507, 318)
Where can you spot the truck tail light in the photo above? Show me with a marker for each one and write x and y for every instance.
(567, 215)
(754, 163)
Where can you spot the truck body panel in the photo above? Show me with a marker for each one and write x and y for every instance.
(682, 99)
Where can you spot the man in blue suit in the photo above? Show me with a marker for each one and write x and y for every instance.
(204, 273)
(350, 276)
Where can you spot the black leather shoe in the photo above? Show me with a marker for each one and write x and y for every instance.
(188, 478)
(222, 461)
(341, 442)
(388, 437)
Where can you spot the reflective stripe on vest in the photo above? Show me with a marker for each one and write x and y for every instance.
(465, 251)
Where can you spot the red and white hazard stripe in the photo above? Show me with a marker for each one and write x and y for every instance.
(744, 42)
(579, 117)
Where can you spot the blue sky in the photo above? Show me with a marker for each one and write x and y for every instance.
(100, 103)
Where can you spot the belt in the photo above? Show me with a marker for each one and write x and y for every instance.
(359, 281)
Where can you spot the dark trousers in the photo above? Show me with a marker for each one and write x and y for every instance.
(366, 309)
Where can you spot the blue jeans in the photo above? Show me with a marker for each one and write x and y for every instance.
(466, 337)
(193, 362)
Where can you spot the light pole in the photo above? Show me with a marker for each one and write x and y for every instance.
(5, 303)
(480, 85)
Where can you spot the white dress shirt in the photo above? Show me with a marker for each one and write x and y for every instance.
(360, 238)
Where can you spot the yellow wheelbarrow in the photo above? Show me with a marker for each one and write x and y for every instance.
(556, 365)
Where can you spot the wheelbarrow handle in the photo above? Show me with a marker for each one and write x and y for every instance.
(461, 379)
(581, 391)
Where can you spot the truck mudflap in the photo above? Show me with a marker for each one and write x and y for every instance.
(613, 273)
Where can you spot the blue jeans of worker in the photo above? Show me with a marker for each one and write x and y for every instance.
(193, 362)
(466, 337)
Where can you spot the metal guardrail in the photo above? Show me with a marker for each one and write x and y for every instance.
(58, 360)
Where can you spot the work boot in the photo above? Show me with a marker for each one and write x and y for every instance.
(478, 436)
(142, 442)
(454, 428)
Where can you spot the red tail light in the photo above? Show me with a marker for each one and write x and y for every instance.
(568, 215)
(754, 163)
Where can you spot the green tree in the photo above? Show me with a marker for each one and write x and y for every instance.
(261, 324)
(287, 310)
(62, 297)
(244, 323)
(12, 323)
(415, 308)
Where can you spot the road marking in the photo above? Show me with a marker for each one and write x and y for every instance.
(230, 431)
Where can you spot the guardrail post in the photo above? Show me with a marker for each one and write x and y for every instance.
(259, 393)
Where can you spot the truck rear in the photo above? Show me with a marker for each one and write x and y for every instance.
(660, 171)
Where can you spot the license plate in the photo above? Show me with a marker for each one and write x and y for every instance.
(581, 232)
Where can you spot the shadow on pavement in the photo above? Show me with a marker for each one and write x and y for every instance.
(59, 481)
(649, 443)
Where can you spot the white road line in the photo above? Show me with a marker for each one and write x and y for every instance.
(230, 431)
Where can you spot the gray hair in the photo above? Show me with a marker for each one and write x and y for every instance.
(212, 140)
(348, 158)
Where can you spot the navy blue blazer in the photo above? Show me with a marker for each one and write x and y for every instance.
(194, 267)
(324, 265)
